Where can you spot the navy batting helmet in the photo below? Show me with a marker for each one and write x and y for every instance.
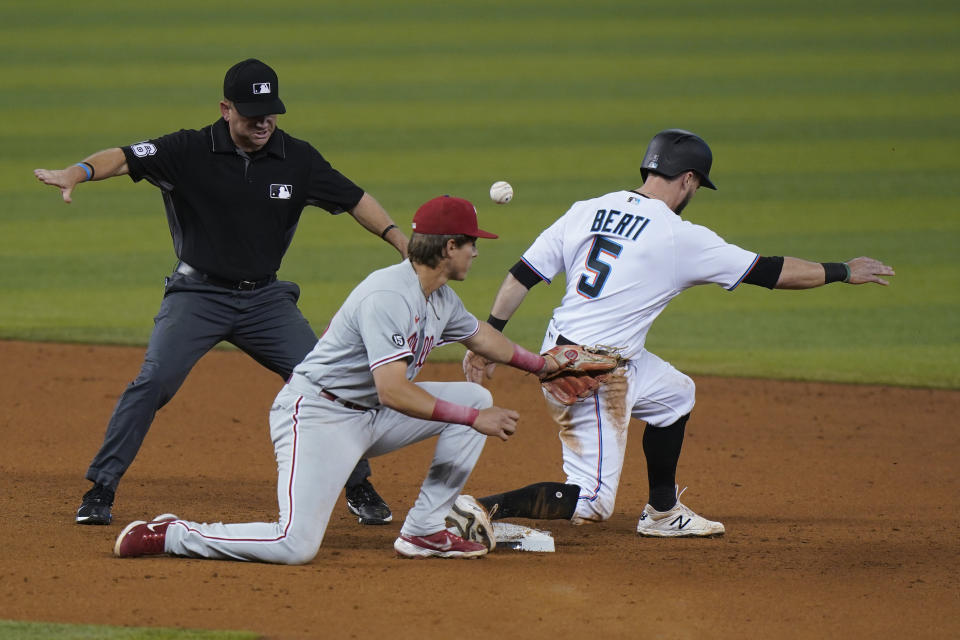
(674, 151)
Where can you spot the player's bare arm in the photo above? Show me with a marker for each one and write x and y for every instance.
(375, 219)
(490, 346)
(511, 294)
(803, 274)
(99, 166)
(398, 393)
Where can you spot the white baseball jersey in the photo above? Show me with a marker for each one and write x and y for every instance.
(625, 257)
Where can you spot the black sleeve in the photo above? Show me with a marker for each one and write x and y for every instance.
(765, 272)
(159, 160)
(329, 188)
(527, 276)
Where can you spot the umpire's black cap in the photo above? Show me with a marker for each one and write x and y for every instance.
(253, 88)
(674, 151)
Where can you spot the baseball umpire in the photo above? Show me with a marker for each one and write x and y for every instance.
(234, 192)
(354, 395)
(625, 255)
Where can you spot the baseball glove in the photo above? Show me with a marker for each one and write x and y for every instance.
(580, 371)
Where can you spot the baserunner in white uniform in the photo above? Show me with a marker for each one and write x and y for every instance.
(625, 255)
(353, 396)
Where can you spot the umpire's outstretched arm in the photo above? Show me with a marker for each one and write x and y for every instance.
(100, 166)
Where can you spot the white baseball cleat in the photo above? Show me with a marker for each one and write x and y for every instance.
(679, 522)
(470, 520)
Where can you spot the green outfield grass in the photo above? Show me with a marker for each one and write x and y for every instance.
(12, 630)
(835, 128)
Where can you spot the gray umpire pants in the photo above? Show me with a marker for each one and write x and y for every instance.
(194, 316)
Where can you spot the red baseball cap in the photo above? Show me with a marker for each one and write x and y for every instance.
(448, 216)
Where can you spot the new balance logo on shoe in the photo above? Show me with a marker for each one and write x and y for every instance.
(680, 521)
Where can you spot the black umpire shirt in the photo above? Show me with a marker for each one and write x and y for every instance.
(233, 214)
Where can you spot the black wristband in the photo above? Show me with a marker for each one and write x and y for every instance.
(835, 272)
(383, 234)
(496, 323)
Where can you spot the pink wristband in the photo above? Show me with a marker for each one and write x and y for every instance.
(445, 411)
(523, 359)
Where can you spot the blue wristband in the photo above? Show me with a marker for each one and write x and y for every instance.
(86, 169)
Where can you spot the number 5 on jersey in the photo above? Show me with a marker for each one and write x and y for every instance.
(599, 269)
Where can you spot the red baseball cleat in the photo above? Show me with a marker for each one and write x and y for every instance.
(442, 544)
(141, 538)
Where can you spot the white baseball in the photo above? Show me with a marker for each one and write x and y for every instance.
(501, 192)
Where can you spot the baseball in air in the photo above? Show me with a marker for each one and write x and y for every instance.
(501, 192)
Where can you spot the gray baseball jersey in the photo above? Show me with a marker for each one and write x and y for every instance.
(385, 318)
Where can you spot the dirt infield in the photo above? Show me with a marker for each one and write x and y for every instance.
(841, 506)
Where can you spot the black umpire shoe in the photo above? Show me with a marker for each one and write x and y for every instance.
(365, 503)
(96, 506)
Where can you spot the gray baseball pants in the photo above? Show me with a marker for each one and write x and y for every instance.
(317, 442)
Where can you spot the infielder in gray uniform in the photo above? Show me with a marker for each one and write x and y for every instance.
(353, 396)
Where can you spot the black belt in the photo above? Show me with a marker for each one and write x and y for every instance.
(563, 341)
(345, 403)
(240, 285)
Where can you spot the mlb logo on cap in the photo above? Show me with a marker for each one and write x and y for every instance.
(253, 88)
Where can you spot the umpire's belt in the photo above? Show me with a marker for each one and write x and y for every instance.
(241, 285)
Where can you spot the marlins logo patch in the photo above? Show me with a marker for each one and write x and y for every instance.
(143, 149)
(281, 191)
(398, 339)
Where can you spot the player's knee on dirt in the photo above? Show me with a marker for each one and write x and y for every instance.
(596, 508)
(591, 513)
(296, 550)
